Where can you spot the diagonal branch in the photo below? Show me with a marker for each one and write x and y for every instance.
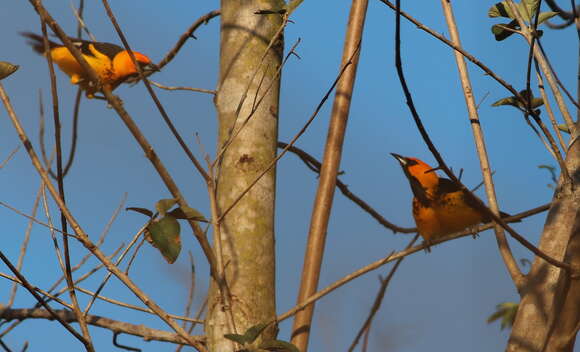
(315, 166)
(148, 334)
(503, 244)
(397, 255)
(187, 35)
(328, 173)
(33, 292)
(60, 182)
(379, 298)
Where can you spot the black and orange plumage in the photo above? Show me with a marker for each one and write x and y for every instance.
(440, 206)
(112, 63)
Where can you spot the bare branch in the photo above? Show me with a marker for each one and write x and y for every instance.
(187, 35)
(379, 299)
(24, 245)
(503, 245)
(50, 312)
(200, 90)
(315, 165)
(328, 173)
(9, 157)
(148, 334)
(396, 255)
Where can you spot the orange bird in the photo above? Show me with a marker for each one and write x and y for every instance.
(112, 64)
(440, 206)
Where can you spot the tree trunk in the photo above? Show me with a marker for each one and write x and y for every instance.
(549, 311)
(247, 231)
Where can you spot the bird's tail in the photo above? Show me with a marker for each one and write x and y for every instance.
(37, 42)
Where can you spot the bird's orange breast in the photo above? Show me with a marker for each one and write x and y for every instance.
(444, 215)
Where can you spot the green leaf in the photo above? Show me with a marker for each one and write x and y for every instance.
(163, 205)
(528, 9)
(564, 128)
(241, 339)
(544, 16)
(502, 31)
(507, 312)
(278, 345)
(143, 211)
(165, 236)
(537, 102)
(506, 101)
(6, 69)
(513, 101)
(187, 213)
(501, 9)
(252, 333)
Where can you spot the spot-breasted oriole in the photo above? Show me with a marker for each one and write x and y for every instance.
(440, 206)
(112, 63)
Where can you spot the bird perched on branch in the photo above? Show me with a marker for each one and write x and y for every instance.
(440, 206)
(111, 63)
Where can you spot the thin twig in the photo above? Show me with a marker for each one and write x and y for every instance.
(187, 35)
(365, 328)
(200, 90)
(109, 274)
(4, 346)
(6, 205)
(50, 312)
(224, 292)
(101, 240)
(503, 244)
(134, 307)
(548, 107)
(315, 165)
(192, 326)
(81, 25)
(148, 334)
(24, 245)
(558, 81)
(394, 256)
(50, 296)
(60, 182)
(53, 287)
(191, 293)
(9, 157)
(135, 252)
(124, 347)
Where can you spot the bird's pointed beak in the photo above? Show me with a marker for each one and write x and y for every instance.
(401, 159)
(150, 67)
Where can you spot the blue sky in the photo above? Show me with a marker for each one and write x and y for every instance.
(437, 301)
